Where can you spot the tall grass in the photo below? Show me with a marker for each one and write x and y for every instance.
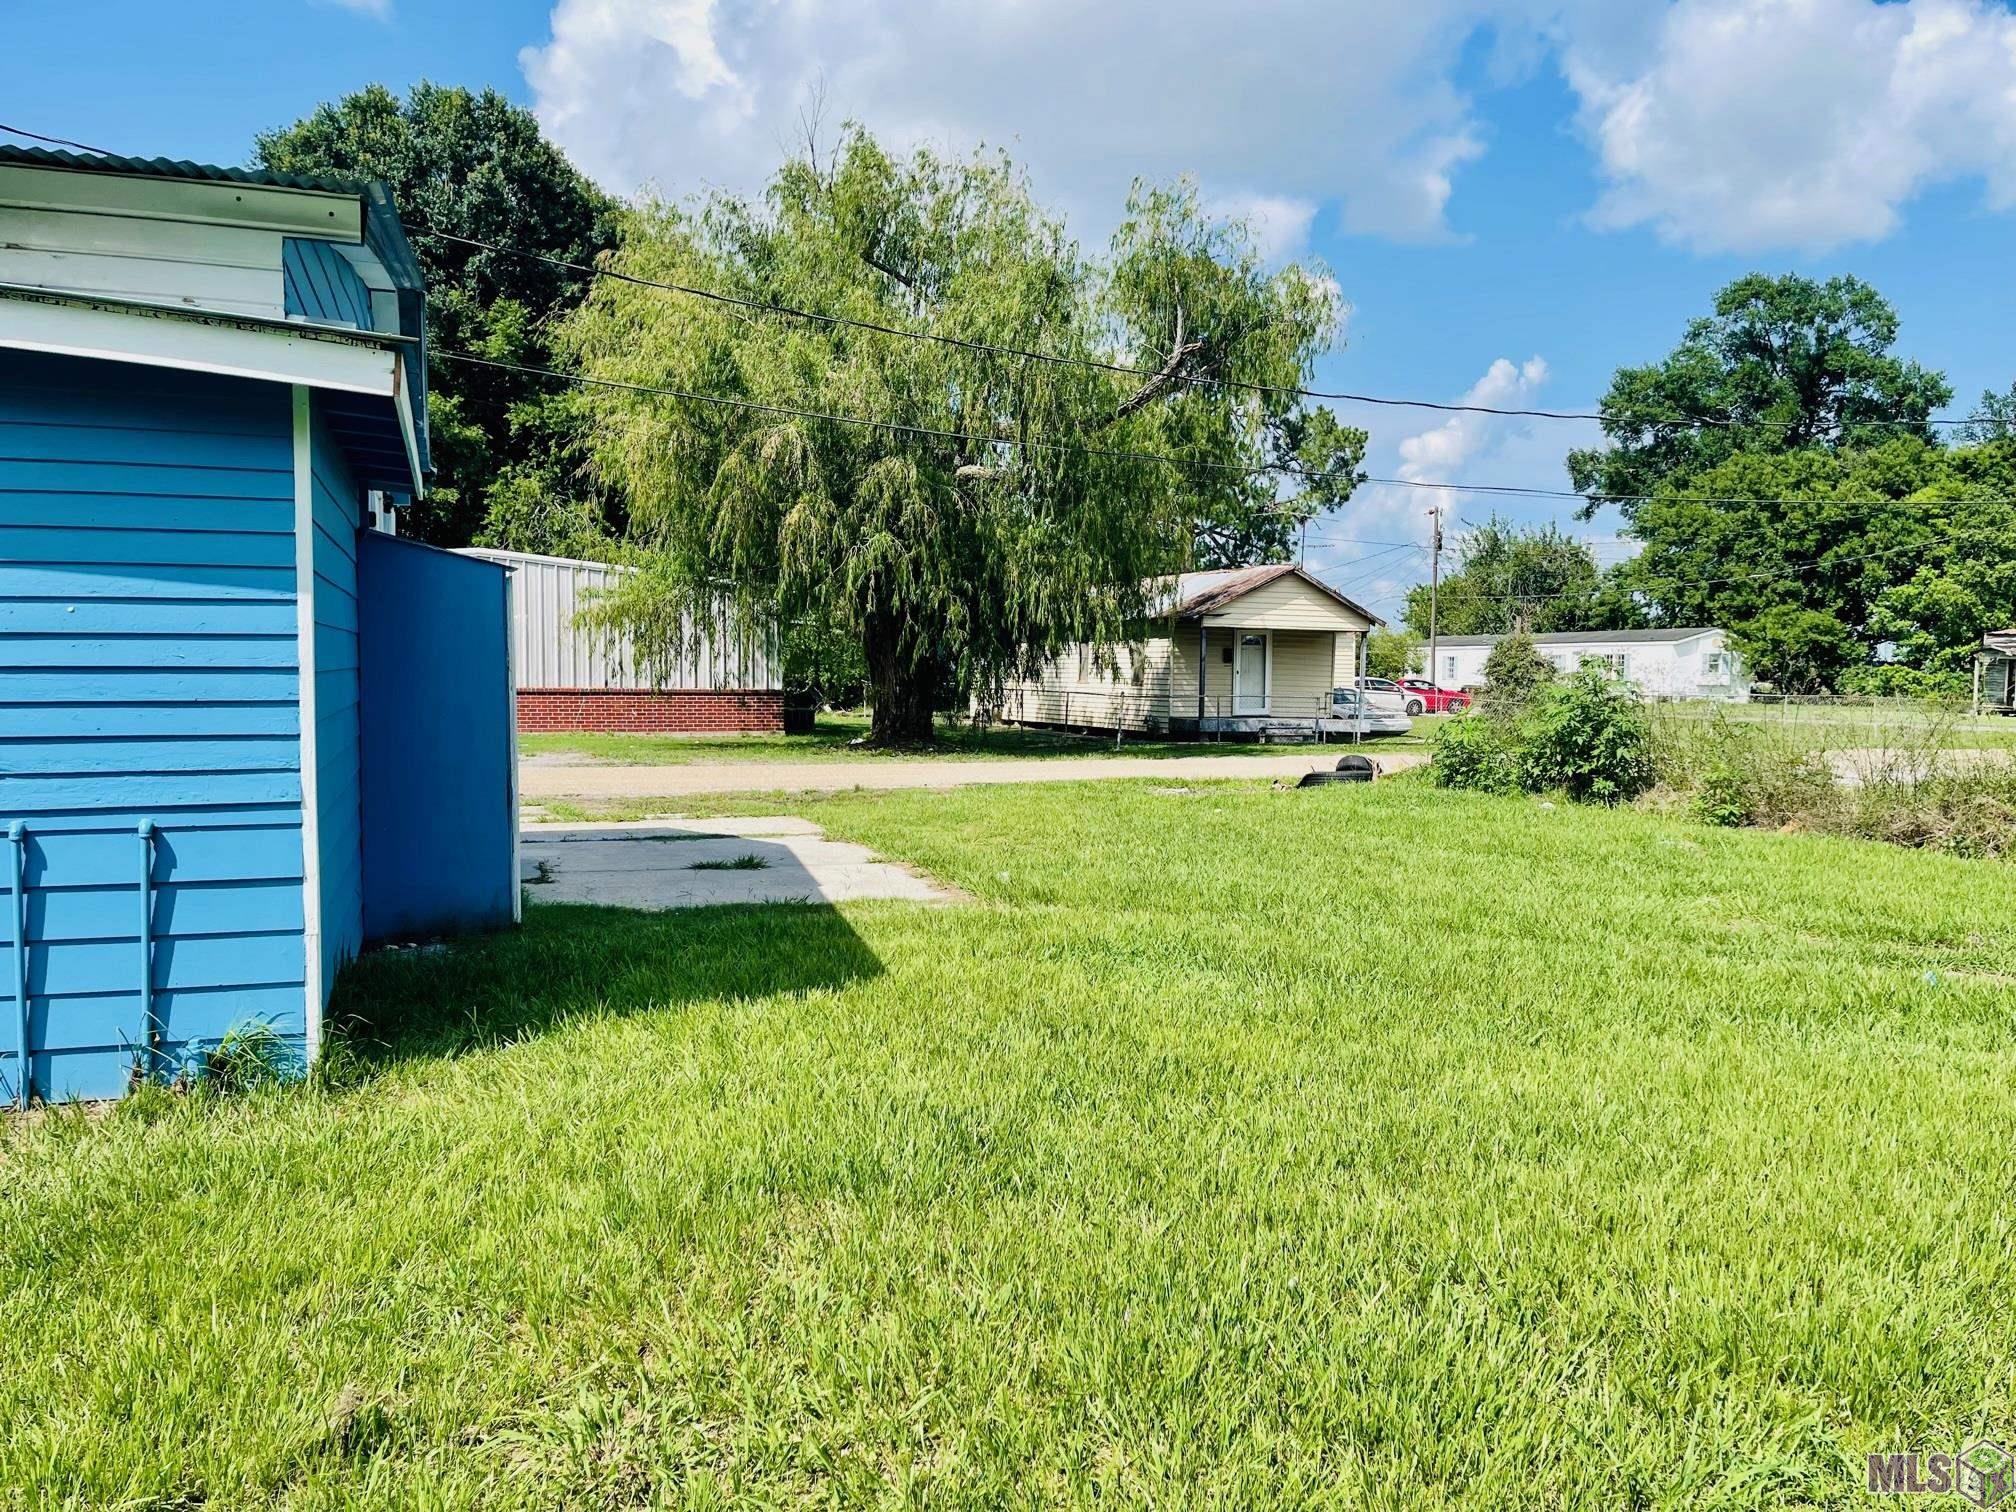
(1375, 1147)
(1925, 784)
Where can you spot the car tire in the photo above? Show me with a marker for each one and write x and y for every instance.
(1360, 764)
(1324, 779)
(1414, 707)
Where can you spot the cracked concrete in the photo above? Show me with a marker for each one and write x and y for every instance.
(652, 864)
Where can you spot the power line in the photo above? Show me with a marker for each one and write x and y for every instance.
(54, 141)
(1791, 569)
(1028, 355)
(1286, 469)
(1100, 365)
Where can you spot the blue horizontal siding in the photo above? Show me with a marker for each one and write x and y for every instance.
(21, 510)
(179, 581)
(61, 545)
(181, 909)
(222, 653)
(139, 685)
(104, 616)
(200, 849)
(171, 445)
(148, 671)
(337, 512)
(162, 754)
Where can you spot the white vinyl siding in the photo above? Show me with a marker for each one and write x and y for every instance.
(1132, 694)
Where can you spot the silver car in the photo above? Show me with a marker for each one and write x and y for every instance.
(1383, 713)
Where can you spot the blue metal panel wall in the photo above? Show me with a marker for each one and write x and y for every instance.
(440, 804)
(147, 672)
(320, 284)
(338, 512)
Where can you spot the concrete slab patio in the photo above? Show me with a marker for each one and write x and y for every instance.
(695, 863)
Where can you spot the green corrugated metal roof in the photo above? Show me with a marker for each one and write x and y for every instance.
(176, 168)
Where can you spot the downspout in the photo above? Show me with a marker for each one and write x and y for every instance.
(17, 849)
(150, 1024)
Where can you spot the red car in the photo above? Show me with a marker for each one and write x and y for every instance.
(1423, 697)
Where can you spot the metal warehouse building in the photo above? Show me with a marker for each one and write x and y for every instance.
(243, 731)
(730, 676)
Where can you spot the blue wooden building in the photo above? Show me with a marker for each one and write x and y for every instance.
(245, 730)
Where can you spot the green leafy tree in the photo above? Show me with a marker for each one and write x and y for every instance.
(1797, 650)
(476, 165)
(1507, 575)
(1513, 673)
(1392, 653)
(1905, 543)
(1319, 459)
(1994, 418)
(1001, 508)
(1783, 364)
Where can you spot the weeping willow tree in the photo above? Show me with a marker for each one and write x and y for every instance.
(1000, 507)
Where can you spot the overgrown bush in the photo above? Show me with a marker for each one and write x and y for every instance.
(1589, 738)
(1585, 736)
(1891, 680)
(1474, 753)
(1513, 672)
(1735, 771)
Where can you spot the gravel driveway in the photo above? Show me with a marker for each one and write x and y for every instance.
(549, 779)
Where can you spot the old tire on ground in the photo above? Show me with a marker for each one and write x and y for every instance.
(1357, 764)
(1324, 779)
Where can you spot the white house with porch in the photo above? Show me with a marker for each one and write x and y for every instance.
(1248, 651)
(1678, 663)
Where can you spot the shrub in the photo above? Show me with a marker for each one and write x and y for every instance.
(1890, 680)
(1476, 754)
(1589, 738)
(1513, 672)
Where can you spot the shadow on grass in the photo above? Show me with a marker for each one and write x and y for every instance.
(570, 959)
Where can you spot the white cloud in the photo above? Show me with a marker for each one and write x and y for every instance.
(1722, 124)
(381, 9)
(1752, 124)
(1436, 455)
(1315, 103)
(1279, 222)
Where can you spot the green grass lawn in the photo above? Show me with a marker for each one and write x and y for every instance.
(833, 733)
(1359, 1147)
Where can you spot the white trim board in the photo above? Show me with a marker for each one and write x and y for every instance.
(172, 339)
(311, 813)
(261, 207)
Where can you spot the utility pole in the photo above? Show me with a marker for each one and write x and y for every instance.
(1434, 589)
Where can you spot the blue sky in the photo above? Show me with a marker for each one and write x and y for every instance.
(1515, 196)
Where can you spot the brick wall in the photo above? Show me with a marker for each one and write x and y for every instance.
(635, 711)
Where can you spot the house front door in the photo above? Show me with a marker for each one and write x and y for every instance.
(1249, 674)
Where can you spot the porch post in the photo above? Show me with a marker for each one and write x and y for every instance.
(1203, 637)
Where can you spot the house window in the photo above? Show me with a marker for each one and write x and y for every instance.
(1448, 671)
(1715, 667)
(1614, 664)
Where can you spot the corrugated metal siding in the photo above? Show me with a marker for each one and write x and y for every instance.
(554, 651)
(148, 671)
(338, 509)
(320, 285)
